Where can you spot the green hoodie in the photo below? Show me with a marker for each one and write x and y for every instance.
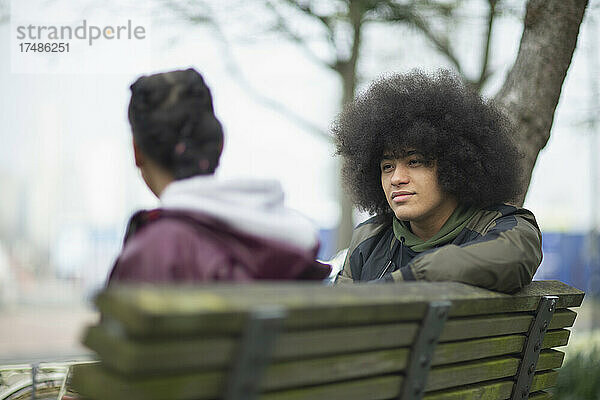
(453, 226)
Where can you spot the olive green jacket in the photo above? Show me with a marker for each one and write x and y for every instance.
(500, 248)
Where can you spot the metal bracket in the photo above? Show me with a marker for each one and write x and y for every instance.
(66, 383)
(34, 372)
(422, 350)
(533, 346)
(254, 353)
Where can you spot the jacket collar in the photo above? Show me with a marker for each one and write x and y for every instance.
(450, 230)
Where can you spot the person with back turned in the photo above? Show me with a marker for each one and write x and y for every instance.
(206, 229)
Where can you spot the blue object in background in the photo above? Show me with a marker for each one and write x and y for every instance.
(567, 259)
(327, 237)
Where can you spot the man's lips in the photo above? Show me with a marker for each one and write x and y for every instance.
(401, 196)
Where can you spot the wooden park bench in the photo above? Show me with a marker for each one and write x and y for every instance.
(305, 341)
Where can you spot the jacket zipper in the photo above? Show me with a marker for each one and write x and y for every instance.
(389, 263)
(387, 266)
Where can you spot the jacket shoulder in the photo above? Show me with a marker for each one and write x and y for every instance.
(364, 237)
(498, 216)
(368, 229)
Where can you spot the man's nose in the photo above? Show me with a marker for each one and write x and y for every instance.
(400, 175)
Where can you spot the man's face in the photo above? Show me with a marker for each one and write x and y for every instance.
(411, 188)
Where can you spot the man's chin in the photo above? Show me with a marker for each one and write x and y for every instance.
(403, 216)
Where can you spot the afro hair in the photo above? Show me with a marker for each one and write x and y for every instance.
(468, 138)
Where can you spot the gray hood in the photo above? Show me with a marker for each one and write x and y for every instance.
(252, 206)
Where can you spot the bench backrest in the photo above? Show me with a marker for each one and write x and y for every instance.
(304, 341)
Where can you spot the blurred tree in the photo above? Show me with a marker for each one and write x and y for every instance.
(529, 94)
(532, 88)
(4, 11)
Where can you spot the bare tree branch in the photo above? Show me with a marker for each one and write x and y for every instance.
(190, 12)
(208, 18)
(235, 71)
(326, 20)
(283, 27)
(391, 11)
(441, 44)
(484, 73)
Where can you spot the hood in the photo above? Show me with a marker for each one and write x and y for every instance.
(253, 206)
(449, 231)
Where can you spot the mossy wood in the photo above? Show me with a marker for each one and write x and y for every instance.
(152, 312)
(494, 368)
(540, 396)
(388, 387)
(502, 324)
(131, 357)
(499, 389)
(101, 384)
(350, 343)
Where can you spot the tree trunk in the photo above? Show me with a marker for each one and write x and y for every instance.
(347, 71)
(532, 88)
(346, 225)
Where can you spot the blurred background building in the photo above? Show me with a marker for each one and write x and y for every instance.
(67, 178)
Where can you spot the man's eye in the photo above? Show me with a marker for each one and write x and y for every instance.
(415, 162)
(386, 167)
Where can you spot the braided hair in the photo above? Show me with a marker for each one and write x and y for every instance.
(173, 122)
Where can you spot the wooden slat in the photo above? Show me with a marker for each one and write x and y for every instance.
(328, 369)
(128, 356)
(541, 396)
(304, 344)
(142, 357)
(453, 352)
(492, 390)
(550, 359)
(379, 388)
(497, 325)
(99, 384)
(152, 311)
(488, 369)
(544, 380)
(94, 382)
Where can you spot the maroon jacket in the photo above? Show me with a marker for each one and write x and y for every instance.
(174, 246)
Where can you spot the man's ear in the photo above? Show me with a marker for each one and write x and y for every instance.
(137, 155)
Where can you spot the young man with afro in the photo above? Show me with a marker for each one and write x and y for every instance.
(437, 167)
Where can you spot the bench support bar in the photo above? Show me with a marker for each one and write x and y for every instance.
(415, 379)
(533, 346)
(254, 353)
